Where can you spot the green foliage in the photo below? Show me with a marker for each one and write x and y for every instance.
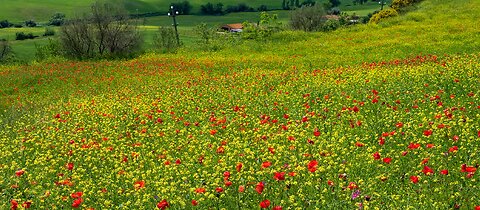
(205, 33)
(165, 40)
(241, 7)
(23, 36)
(335, 3)
(49, 31)
(57, 19)
(211, 9)
(399, 4)
(307, 18)
(267, 25)
(183, 7)
(30, 23)
(5, 51)
(262, 8)
(5, 24)
(331, 25)
(386, 13)
(50, 51)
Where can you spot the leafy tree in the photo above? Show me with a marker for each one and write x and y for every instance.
(307, 18)
(165, 40)
(211, 9)
(262, 8)
(108, 31)
(334, 3)
(5, 51)
(57, 19)
(183, 7)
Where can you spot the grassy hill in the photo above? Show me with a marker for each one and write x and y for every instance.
(42, 10)
(369, 117)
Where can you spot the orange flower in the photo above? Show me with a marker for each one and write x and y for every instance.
(139, 184)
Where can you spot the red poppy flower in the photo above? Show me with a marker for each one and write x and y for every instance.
(70, 166)
(77, 202)
(139, 184)
(312, 166)
(19, 173)
(387, 160)
(352, 185)
(425, 161)
(76, 195)
(178, 162)
(265, 204)
(194, 202)
(213, 132)
(381, 141)
(292, 173)
(259, 188)
(26, 204)
(277, 208)
(399, 125)
(427, 132)
(468, 169)
(219, 189)
(200, 190)
(330, 183)
(359, 144)
(376, 156)
(13, 204)
(279, 176)
(413, 146)
(453, 149)
(316, 132)
(239, 167)
(226, 175)
(427, 170)
(444, 172)
(355, 109)
(241, 188)
(455, 138)
(163, 204)
(430, 146)
(414, 179)
(266, 164)
(477, 207)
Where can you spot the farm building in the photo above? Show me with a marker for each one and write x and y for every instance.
(236, 27)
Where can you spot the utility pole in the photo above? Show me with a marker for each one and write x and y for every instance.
(173, 13)
(382, 2)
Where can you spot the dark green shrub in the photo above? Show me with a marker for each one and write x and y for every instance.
(23, 36)
(30, 23)
(242, 7)
(57, 19)
(49, 32)
(262, 8)
(183, 7)
(5, 24)
(210, 9)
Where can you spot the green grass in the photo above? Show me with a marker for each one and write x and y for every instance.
(42, 10)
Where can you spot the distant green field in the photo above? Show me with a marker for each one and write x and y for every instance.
(42, 10)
